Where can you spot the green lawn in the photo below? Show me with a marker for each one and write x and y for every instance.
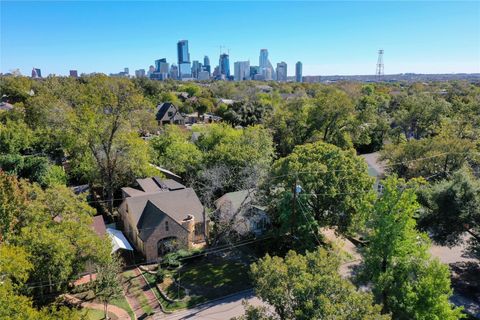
(205, 280)
(172, 292)
(214, 279)
(136, 289)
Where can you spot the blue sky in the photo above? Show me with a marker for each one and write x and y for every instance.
(328, 37)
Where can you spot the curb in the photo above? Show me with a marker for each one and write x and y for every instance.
(153, 292)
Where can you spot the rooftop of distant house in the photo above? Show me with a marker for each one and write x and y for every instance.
(376, 167)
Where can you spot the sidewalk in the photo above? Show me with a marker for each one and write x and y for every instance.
(138, 286)
(118, 312)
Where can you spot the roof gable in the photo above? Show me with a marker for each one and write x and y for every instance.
(164, 108)
(146, 209)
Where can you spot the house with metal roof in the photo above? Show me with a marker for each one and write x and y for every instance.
(162, 215)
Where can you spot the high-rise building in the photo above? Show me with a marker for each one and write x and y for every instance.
(224, 65)
(241, 70)
(203, 75)
(126, 71)
(282, 71)
(74, 73)
(298, 72)
(36, 73)
(174, 72)
(161, 66)
(216, 72)
(182, 51)
(184, 67)
(140, 73)
(266, 67)
(184, 70)
(196, 68)
(254, 70)
(263, 61)
(206, 65)
(150, 71)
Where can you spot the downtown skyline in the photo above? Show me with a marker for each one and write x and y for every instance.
(329, 38)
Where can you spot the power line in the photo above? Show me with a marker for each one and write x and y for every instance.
(205, 253)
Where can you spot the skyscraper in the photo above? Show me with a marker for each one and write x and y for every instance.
(241, 70)
(263, 61)
(150, 71)
(254, 70)
(298, 72)
(161, 66)
(224, 65)
(140, 73)
(266, 67)
(282, 71)
(184, 67)
(174, 72)
(36, 73)
(206, 65)
(161, 70)
(203, 75)
(196, 68)
(182, 50)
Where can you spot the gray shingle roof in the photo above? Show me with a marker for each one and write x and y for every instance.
(237, 198)
(148, 185)
(169, 184)
(178, 204)
(162, 109)
(98, 225)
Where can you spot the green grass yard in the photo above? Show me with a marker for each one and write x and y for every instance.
(205, 280)
(215, 278)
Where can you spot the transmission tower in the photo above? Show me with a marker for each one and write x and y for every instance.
(379, 71)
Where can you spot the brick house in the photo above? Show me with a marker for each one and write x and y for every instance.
(161, 216)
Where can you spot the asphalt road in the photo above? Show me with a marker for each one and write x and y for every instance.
(220, 309)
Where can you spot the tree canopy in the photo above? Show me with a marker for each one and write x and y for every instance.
(334, 183)
(309, 287)
(405, 279)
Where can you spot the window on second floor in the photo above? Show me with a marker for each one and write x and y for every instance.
(166, 225)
